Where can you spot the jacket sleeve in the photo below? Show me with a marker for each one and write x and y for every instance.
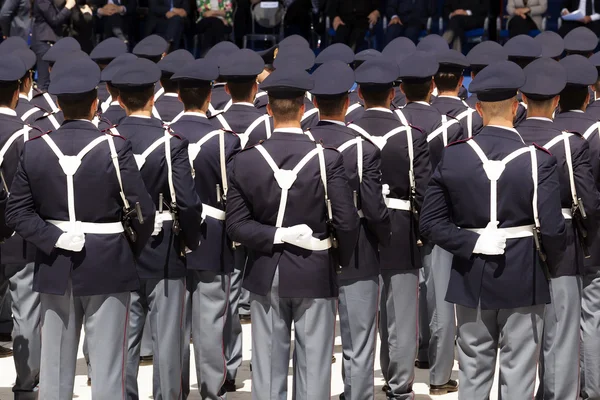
(539, 9)
(7, 13)
(5, 231)
(421, 166)
(51, 16)
(435, 223)
(483, 9)
(372, 203)
(332, 9)
(159, 7)
(391, 8)
(585, 186)
(345, 216)
(241, 227)
(511, 7)
(188, 202)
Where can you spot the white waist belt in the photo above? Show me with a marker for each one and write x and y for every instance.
(516, 232)
(315, 244)
(166, 216)
(397, 204)
(566, 212)
(99, 228)
(212, 212)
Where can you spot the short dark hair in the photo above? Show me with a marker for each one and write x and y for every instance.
(331, 105)
(376, 97)
(28, 74)
(446, 81)
(573, 98)
(539, 103)
(77, 106)
(168, 84)
(194, 97)
(7, 93)
(137, 98)
(286, 109)
(113, 91)
(416, 91)
(240, 90)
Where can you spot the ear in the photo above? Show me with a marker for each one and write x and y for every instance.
(360, 94)
(227, 89)
(314, 101)
(525, 99)
(402, 88)
(120, 100)
(555, 102)
(479, 109)
(461, 81)
(269, 111)
(587, 98)
(515, 107)
(391, 94)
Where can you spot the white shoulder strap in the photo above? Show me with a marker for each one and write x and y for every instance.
(534, 176)
(323, 171)
(194, 148)
(402, 117)
(224, 122)
(591, 129)
(309, 113)
(53, 107)
(140, 159)
(228, 105)
(29, 113)
(260, 94)
(359, 153)
(155, 113)
(244, 137)
(443, 130)
(177, 117)
(468, 113)
(564, 137)
(106, 104)
(115, 160)
(223, 163)
(159, 93)
(167, 140)
(352, 108)
(21, 132)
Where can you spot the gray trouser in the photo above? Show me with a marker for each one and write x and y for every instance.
(244, 303)
(590, 326)
(398, 328)
(146, 349)
(442, 322)
(314, 327)
(559, 366)
(358, 327)
(163, 300)
(232, 332)
(517, 333)
(105, 326)
(26, 314)
(424, 334)
(207, 298)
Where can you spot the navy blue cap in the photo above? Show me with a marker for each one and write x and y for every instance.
(581, 40)
(202, 71)
(498, 81)
(295, 57)
(152, 46)
(294, 41)
(13, 43)
(451, 61)
(74, 76)
(174, 61)
(111, 69)
(377, 73)
(486, 53)
(337, 51)
(524, 47)
(552, 44)
(136, 74)
(544, 79)
(60, 49)
(220, 52)
(367, 55)
(433, 44)
(26, 55)
(243, 65)
(333, 78)
(580, 70)
(108, 49)
(11, 68)
(399, 47)
(595, 60)
(419, 67)
(287, 83)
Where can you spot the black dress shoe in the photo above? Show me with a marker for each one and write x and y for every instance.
(449, 387)
(333, 359)
(229, 386)
(146, 360)
(342, 396)
(5, 337)
(422, 364)
(89, 383)
(386, 388)
(245, 319)
(5, 352)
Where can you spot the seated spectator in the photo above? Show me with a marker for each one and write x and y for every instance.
(215, 21)
(407, 18)
(351, 19)
(298, 16)
(82, 26)
(15, 18)
(591, 10)
(525, 16)
(167, 18)
(114, 17)
(464, 15)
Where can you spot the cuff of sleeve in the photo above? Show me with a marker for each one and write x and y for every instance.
(469, 13)
(595, 17)
(124, 10)
(278, 236)
(394, 16)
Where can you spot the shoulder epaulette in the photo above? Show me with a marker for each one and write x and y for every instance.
(459, 141)
(40, 135)
(417, 128)
(218, 112)
(545, 150)
(575, 134)
(109, 131)
(253, 146)
(450, 117)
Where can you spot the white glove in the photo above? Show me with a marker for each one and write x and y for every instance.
(385, 190)
(293, 235)
(491, 241)
(158, 224)
(71, 241)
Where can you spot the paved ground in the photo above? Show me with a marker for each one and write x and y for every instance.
(82, 392)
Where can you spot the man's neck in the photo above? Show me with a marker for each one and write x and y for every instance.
(500, 122)
(235, 101)
(538, 114)
(144, 113)
(339, 118)
(195, 110)
(286, 124)
(451, 93)
(387, 105)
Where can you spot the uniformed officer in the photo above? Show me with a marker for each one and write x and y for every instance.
(359, 283)
(168, 106)
(17, 255)
(405, 166)
(288, 197)
(480, 56)
(397, 50)
(210, 266)
(553, 45)
(163, 160)
(545, 79)
(268, 56)
(219, 54)
(110, 108)
(152, 47)
(448, 81)
(582, 41)
(103, 54)
(357, 107)
(497, 282)
(573, 102)
(74, 208)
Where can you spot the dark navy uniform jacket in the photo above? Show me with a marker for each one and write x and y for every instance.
(375, 227)
(161, 257)
(45, 124)
(238, 117)
(260, 101)
(458, 197)
(215, 252)
(39, 192)
(593, 110)
(454, 106)
(114, 113)
(219, 97)
(428, 119)
(574, 121)
(168, 106)
(103, 94)
(399, 99)
(357, 112)
(252, 206)
(23, 106)
(38, 99)
(403, 252)
(541, 132)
